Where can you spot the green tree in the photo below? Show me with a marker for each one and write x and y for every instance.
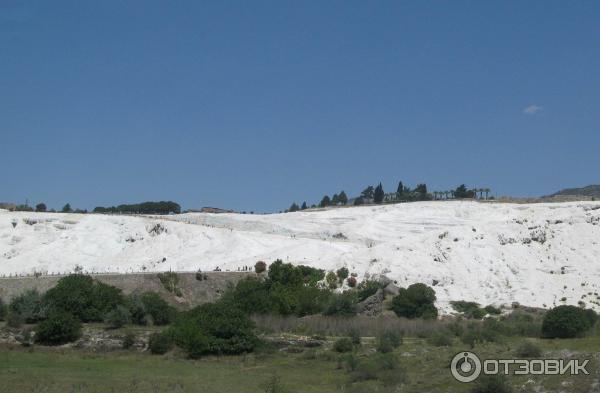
(82, 296)
(325, 201)
(40, 207)
(378, 194)
(303, 207)
(294, 207)
(343, 198)
(335, 199)
(399, 190)
(368, 193)
(67, 208)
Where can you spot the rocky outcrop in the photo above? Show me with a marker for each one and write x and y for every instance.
(371, 306)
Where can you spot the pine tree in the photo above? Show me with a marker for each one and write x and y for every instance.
(378, 194)
(294, 207)
(335, 199)
(303, 207)
(400, 190)
(67, 208)
(343, 198)
(325, 201)
(367, 193)
(40, 207)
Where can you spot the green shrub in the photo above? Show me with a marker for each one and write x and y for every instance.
(260, 267)
(332, 280)
(469, 309)
(342, 274)
(341, 304)
(14, 320)
(566, 322)
(522, 324)
(343, 345)
(528, 349)
(285, 274)
(160, 343)
(128, 340)
(117, 317)
(489, 331)
(60, 328)
(492, 310)
(388, 341)
(440, 339)
(367, 288)
(354, 335)
(149, 308)
(310, 300)
(350, 361)
(366, 370)
(214, 328)
(83, 297)
(29, 306)
(495, 383)
(416, 301)
(311, 276)
(3, 310)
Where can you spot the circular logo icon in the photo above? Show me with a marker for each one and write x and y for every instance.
(465, 367)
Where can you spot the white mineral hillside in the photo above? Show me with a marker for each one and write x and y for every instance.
(491, 253)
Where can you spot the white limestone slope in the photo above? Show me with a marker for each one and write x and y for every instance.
(492, 253)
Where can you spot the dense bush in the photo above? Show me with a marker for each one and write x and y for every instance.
(60, 328)
(567, 322)
(29, 306)
(260, 267)
(287, 290)
(416, 301)
(341, 304)
(160, 343)
(343, 345)
(3, 310)
(367, 288)
(215, 328)
(85, 298)
(342, 273)
(117, 317)
(149, 308)
(528, 349)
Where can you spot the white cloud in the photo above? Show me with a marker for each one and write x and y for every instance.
(532, 109)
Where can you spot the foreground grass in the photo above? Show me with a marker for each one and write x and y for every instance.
(315, 370)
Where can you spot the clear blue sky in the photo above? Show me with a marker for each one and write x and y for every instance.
(253, 105)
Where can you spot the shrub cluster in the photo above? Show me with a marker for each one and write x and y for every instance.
(60, 328)
(213, 328)
(416, 301)
(567, 322)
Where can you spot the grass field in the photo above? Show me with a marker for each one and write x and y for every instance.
(319, 370)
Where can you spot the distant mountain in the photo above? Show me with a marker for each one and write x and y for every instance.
(589, 191)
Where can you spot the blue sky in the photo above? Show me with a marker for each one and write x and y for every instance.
(254, 105)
